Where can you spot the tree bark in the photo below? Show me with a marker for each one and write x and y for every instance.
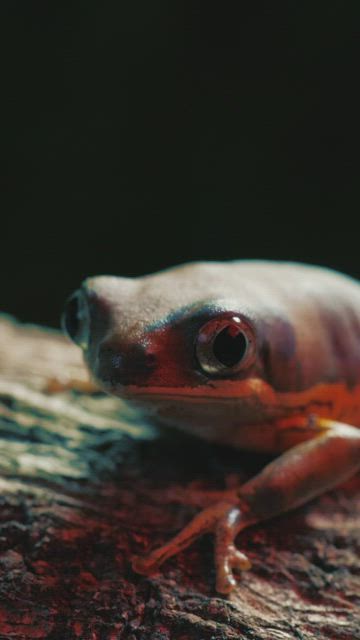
(84, 486)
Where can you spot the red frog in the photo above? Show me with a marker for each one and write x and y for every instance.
(262, 356)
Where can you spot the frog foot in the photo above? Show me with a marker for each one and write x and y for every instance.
(223, 519)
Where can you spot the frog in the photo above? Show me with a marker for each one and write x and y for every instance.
(258, 355)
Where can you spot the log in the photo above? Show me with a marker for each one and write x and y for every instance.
(85, 485)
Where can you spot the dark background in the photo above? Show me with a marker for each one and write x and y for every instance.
(140, 134)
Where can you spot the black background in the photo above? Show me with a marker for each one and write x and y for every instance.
(140, 134)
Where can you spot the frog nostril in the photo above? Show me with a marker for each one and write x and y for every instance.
(150, 360)
(116, 361)
(124, 364)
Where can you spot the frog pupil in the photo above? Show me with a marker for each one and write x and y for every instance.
(71, 317)
(229, 347)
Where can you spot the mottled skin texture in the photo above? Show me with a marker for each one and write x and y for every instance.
(302, 385)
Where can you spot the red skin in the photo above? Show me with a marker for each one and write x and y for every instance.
(291, 397)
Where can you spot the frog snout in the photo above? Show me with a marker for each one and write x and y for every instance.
(117, 354)
(123, 364)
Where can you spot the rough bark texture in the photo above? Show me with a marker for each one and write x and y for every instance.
(83, 487)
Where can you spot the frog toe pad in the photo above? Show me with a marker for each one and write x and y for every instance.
(224, 520)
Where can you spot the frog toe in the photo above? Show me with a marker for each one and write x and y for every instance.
(227, 560)
(224, 520)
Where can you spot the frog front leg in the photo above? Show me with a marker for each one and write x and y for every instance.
(330, 456)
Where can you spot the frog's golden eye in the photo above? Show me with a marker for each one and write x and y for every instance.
(225, 345)
(75, 319)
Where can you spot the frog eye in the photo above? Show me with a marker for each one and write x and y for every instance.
(225, 345)
(75, 319)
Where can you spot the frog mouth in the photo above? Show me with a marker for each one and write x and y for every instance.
(254, 394)
(216, 390)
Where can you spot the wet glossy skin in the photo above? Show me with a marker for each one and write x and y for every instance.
(139, 338)
(307, 324)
